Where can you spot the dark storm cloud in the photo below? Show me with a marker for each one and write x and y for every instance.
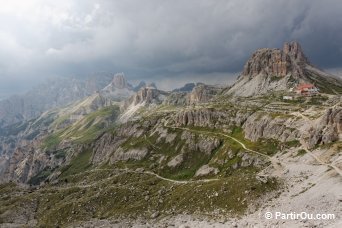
(189, 40)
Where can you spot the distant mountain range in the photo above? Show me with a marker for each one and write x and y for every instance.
(52, 94)
(59, 92)
(98, 148)
(186, 88)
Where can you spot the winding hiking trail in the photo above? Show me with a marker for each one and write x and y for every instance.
(177, 181)
(338, 170)
(278, 166)
(125, 171)
(305, 146)
(275, 162)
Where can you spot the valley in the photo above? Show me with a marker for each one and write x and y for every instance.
(200, 155)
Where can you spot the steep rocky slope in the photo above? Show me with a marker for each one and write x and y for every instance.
(172, 149)
(186, 88)
(52, 94)
(147, 129)
(118, 89)
(279, 70)
(159, 155)
(145, 97)
(22, 145)
(202, 93)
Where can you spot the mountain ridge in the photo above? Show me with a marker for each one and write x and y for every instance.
(152, 155)
(280, 70)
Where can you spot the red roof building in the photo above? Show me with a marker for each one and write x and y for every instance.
(306, 89)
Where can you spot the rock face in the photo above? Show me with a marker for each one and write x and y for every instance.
(53, 93)
(152, 85)
(176, 98)
(275, 62)
(119, 81)
(157, 134)
(192, 94)
(27, 161)
(176, 161)
(201, 93)
(145, 97)
(209, 118)
(261, 125)
(294, 50)
(186, 88)
(206, 170)
(118, 89)
(133, 154)
(141, 84)
(328, 129)
(104, 148)
(274, 70)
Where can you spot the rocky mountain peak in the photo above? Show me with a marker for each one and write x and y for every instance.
(294, 50)
(147, 95)
(201, 93)
(276, 62)
(188, 87)
(119, 81)
(272, 69)
(118, 89)
(152, 85)
(141, 84)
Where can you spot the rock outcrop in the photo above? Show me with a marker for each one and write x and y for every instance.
(176, 161)
(277, 70)
(118, 89)
(276, 62)
(155, 133)
(210, 118)
(177, 99)
(202, 93)
(328, 128)
(141, 84)
(188, 87)
(192, 94)
(132, 154)
(119, 81)
(261, 125)
(206, 170)
(145, 97)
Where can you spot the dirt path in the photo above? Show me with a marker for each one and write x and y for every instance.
(305, 146)
(301, 115)
(125, 171)
(180, 182)
(338, 170)
(275, 162)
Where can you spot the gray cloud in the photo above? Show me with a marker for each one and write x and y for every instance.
(159, 40)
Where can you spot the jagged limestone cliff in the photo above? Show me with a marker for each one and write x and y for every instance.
(163, 153)
(270, 70)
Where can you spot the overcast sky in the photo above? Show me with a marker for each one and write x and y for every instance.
(192, 40)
